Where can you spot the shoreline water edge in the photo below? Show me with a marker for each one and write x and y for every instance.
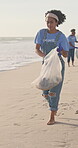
(16, 52)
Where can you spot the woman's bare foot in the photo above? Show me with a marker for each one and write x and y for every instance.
(52, 119)
(51, 122)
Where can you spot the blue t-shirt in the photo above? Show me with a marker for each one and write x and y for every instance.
(72, 39)
(61, 43)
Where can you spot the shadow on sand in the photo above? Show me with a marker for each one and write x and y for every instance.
(65, 123)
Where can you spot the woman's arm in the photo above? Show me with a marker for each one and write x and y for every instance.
(71, 44)
(38, 51)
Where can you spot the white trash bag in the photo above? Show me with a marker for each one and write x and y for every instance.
(50, 74)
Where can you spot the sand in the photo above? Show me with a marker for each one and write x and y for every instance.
(24, 112)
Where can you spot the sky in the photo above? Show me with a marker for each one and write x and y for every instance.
(26, 17)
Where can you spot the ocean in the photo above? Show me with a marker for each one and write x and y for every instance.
(16, 52)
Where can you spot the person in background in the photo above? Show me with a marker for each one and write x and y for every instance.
(71, 39)
(46, 40)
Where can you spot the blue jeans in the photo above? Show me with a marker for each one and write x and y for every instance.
(54, 100)
(71, 55)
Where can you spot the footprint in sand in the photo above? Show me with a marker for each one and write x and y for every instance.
(65, 83)
(45, 105)
(17, 124)
(76, 112)
(63, 104)
(21, 108)
(33, 116)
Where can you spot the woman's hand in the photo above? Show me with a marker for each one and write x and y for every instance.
(64, 53)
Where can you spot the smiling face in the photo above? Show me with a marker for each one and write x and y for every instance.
(51, 24)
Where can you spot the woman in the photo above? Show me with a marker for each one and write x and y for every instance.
(46, 40)
(71, 39)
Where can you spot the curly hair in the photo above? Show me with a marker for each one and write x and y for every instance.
(59, 14)
(72, 30)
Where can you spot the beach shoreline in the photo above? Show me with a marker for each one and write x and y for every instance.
(24, 112)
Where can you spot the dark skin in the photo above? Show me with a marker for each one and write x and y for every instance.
(51, 24)
(72, 34)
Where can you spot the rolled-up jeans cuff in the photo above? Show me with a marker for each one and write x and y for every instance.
(53, 109)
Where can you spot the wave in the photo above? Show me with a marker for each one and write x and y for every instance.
(15, 52)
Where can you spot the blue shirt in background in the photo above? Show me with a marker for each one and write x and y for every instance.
(72, 39)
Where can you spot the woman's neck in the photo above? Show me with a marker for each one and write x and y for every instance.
(53, 31)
